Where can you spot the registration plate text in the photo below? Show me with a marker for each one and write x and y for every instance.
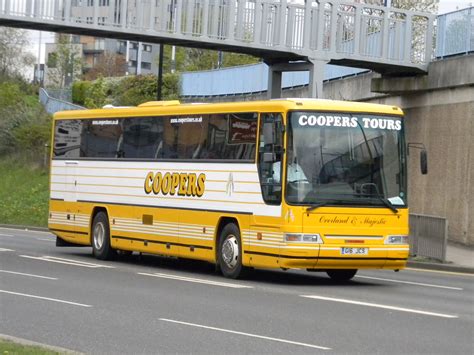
(354, 251)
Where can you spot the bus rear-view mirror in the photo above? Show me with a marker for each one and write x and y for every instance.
(424, 162)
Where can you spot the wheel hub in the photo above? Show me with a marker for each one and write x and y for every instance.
(99, 235)
(230, 251)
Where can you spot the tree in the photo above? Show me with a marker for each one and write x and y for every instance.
(108, 65)
(430, 6)
(96, 94)
(195, 59)
(13, 54)
(64, 65)
(419, 35)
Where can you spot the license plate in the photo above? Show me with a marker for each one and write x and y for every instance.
(354, 251)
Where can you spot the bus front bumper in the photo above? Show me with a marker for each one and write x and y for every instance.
(327, 256)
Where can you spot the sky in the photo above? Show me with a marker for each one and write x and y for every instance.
(48, 37)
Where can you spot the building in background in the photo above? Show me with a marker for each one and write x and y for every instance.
(63, 62)
(139, 57)
(72, 56)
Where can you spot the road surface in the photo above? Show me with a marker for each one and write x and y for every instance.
(149, 304)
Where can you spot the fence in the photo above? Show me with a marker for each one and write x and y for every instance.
(53, 105)
(455, 33)
(428, 236)
(275, 29)
(249, 79)
(60, 94)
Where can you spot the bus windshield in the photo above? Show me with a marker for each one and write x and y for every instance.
(345, 159)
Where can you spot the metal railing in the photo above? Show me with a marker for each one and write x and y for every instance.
(455, 33)
(428, 236)
(247, 79)
(321, 30)
(53, 105)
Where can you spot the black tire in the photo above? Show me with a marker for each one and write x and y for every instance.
(229, 254)
(341, 275)
(101, 237)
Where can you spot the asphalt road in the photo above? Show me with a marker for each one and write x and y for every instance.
(147, 305)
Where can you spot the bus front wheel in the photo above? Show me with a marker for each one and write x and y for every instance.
(341, 275)
(230, 251)
(101, 237)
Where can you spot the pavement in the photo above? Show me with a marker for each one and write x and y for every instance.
(459, 258)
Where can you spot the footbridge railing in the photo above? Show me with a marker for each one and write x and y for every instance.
(329, 30)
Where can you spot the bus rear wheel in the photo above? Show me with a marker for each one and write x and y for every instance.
(341, 275)
(101, 237)
(230, 252)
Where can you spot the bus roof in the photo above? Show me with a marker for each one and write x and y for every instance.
(276, 105)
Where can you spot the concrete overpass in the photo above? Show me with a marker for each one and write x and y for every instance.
(298, 35)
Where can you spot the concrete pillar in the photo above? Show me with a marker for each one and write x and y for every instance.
(274, 82)
(316, 78)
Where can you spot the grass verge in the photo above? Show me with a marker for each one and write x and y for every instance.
(8, 347)
(24, 193)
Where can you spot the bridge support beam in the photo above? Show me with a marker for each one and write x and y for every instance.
(316, 77)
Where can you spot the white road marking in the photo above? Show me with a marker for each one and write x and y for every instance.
(6, 235)
(410, 283)
(53, 259)
(246, 334)
(31, 275)
(440, 272)
(24, 230)
(377, 305)
(4, 249)
(46, 298)
(201, 281)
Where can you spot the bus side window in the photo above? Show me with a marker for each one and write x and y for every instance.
(270, 157)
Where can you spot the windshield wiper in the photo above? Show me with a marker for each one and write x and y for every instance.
(317, 205)
(382, 199)
(388, 204)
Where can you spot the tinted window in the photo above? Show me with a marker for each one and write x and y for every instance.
(100, 138)
(142, 138)
(203, 137)
(67, 138)
(217, 136)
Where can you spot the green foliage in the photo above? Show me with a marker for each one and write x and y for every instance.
(134, 90)
(24, 125)
(195, 59)
(31, 135)
(96, 94)
(10, 94)
(24, 201)
(170, 86)
(79, 92)
(10, 348)
(235, 59)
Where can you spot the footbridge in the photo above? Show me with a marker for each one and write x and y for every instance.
(290, 35)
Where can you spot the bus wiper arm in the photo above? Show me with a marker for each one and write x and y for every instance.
(317, 205)
(386, 202)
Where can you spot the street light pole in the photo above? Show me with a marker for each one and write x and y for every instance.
(159, 95)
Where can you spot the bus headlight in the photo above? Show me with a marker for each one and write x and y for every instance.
(396, 239)
(302, 238)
